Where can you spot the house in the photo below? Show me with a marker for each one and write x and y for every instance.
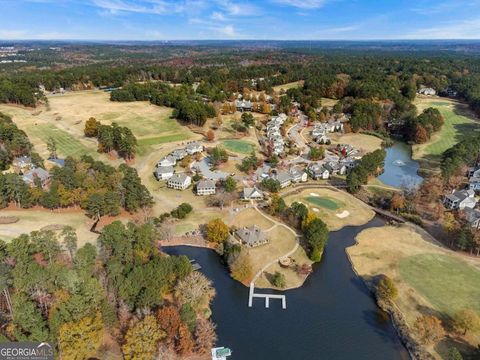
(252, 236)
(206, 187)
(31, 176)
(194, 147)
(460, 199)
(473, 172)
(474, 183)
(335, 168)
(179, 154)
(283, 178)
(298, 175)
(473, 217)
(243, 105)
(252, 194)
(57, 162)
(426, 91)
(168, 160)
(22, 163)
(163, 172)
(317, 171)
(179, 181)
(349, 163)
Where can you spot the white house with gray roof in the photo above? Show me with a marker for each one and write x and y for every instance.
(168, 160)
(163, 172)
(252, 193)
(179, 182)
(206, 187)
(194, 148)
(460, 199)
(179, 154)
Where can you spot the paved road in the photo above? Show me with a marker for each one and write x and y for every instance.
(204, 167)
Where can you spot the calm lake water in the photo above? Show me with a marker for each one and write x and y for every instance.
(400, 168)
(333, 316)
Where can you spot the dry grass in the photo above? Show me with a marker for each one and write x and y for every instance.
(359, 212)
(293, 279)
(250, 217)
(429, 277)
(31, 220)
(287, 86)
(281, 242)
(364, 143)
(64, 119)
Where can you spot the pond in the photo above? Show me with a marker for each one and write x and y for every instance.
(333, 316)
(400, 169)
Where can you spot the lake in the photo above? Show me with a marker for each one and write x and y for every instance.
(400, 169)
(333, 316)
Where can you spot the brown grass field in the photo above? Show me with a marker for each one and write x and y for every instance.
(430, 278)
(287, 86)
(364, 143)
(359, 213)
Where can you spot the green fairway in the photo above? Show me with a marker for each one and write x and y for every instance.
(325, 202)
(162, 139)
(238, 146)
(447, 283)
(67, 145)
(455, 128)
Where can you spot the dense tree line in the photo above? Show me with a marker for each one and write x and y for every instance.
(465, 152)
(97, 188)
(419, 129)
(14, 143)
(369, 165)
(73, 297)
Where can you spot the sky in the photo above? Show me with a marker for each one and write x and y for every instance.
(151, 20)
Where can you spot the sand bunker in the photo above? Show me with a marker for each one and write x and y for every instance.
(343, 214)
(314, 194)
(315, 209)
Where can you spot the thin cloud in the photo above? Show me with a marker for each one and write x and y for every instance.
(466, 29)
(302, 4)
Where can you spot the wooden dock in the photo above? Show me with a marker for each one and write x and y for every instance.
(252, 294)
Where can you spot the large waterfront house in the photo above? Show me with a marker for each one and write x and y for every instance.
(252, 193)
(179, 181)
(163, 172)
(460, 199)
(206, 187)
(252, 236)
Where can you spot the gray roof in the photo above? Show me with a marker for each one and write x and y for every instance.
(251, 235)
(283, 177)
(247, 192)
(460, 195)
(164, 170)
(30, 175)
(205, 184)
(179, 178)
(472, 215)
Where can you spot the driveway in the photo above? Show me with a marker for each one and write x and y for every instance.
(203, 166)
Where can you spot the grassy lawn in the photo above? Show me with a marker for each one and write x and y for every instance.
(287, 86)
(458, 122)
(238, 146)
(449, 284)
(249, 217)
(364, 143)
(67, 145)
(429, 278)
(325, 202)
(336, 208)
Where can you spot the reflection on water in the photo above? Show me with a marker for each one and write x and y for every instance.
(333, 316)
(400, 169)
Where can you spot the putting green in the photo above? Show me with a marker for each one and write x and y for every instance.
(324, 202)
(449, 284)
(238, 146)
